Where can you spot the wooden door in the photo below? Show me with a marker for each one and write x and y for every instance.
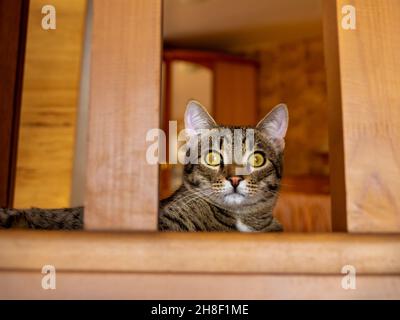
(235, 94)
(13, 27)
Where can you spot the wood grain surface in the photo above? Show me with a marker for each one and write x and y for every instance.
(111, 285)
(122, 187)
(364, 87)
(49, 105)
(200, 252)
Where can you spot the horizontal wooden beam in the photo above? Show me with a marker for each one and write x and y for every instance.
(200, 252)
(109, 285)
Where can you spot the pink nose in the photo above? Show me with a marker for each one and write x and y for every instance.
(235, 180)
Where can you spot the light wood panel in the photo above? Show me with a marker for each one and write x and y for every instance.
(78, 285)
(49, 104)
(200, 252)
(364, 87)
(304, 212)
(235, 94)
(122, 189)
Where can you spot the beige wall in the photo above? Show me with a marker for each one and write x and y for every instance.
(294, 73)
(50, 92)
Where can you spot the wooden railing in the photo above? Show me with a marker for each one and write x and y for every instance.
(363, 67)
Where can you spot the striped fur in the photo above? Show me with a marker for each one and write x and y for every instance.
(206, 201)
(185, 211)
(46, 219)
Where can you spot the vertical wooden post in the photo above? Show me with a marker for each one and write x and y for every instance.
(13, 28)
(78, 186)
(363, 85)
(336, 152)
(122, 188)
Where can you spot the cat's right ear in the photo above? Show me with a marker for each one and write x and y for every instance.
(197, 117)
(275, 125)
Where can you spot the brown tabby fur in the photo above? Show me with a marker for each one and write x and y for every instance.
(199, 204)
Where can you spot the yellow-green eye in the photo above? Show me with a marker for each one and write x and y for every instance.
(213, 159)
(257, 160)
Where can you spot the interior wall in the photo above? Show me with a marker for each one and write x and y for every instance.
(49, 104)
(188, 81)
(294, 73)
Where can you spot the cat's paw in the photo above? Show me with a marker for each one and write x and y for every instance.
(276, 226)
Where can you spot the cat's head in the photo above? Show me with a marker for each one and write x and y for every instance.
(236, 166)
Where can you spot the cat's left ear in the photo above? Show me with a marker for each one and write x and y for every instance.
(275, 124)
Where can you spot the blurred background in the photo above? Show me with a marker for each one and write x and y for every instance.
(238, 58)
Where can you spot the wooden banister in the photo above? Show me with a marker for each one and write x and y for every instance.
(200, 252)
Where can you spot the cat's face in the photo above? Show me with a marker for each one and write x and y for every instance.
(236, 166)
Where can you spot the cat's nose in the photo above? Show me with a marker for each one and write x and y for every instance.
(235, 180)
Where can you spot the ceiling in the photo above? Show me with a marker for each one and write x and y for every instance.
(224, 23)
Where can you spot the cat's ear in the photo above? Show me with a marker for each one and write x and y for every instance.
(275, 124)
(197, 117)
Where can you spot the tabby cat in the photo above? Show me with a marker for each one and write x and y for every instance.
(220, 191)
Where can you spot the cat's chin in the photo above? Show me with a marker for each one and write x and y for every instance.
(234, 199)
